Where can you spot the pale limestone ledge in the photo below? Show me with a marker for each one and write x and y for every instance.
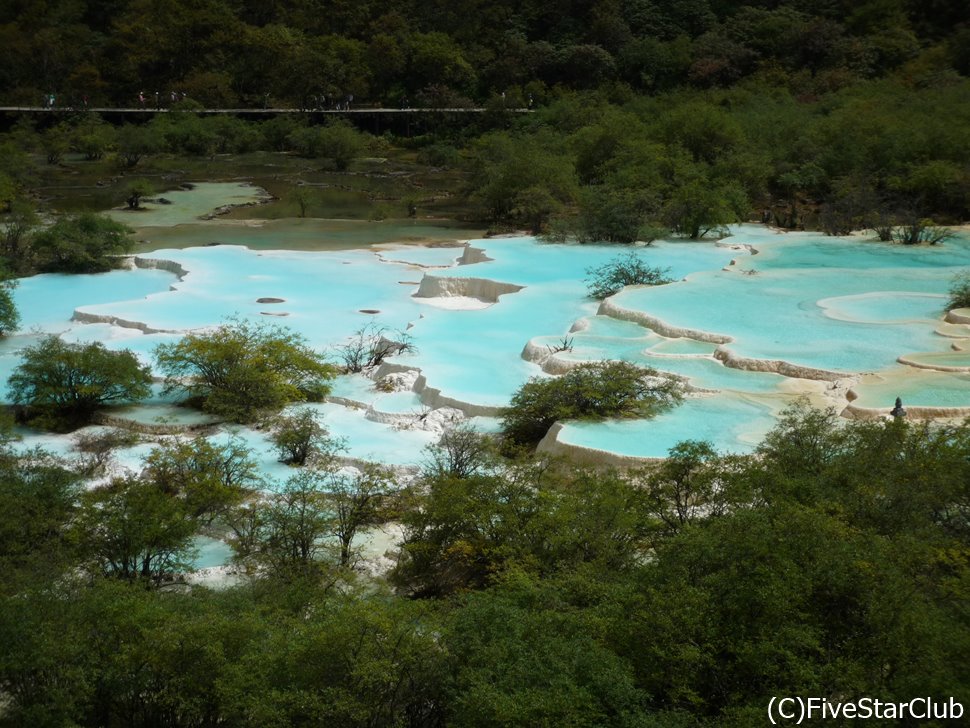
(737, 246)
(432, 420)
(469, 255)
(857, 412)
(171, 266)
(98, 318)
(932, 367)
(551, 445)
(472, 255)
(776, 366)
(432, 397)
(958, 316)
(152, 428)
(482, 289)
(551, 363)
(612, 309)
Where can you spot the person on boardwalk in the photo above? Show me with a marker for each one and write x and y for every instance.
(141, 98)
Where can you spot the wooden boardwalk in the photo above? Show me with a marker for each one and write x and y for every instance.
(363, 110)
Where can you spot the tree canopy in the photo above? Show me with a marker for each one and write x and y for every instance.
(85, 243)
(9, 316)
(590, 391)
(61, 385)
(684, 593)
(242, 370)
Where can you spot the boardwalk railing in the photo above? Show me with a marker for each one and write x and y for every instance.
(164, 110)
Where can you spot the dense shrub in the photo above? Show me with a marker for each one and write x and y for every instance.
(61, 385)
(603, 389)
(241, 371)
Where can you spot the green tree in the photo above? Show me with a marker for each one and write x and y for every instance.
(304, 197)
(286, 536)
(628, 269)
(16, 237)
(357, 502)
(93, 138)
(700, 207)
(611, 213)
(56, 142)
(9, 316)
(38, 498)
(464, 530)
(131, 529)
(685, 487)
(135, 142)
(61, 385)
(535, 515)
(340, 142)
(461, 451)
(136, 189)
(241, 371)
(959, 291)
(207, 478)
(520, 657)
(85, 243)
(519, 179)
(598, 390)
(299, 437)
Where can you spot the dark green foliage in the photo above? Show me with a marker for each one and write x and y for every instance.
(133, 530)
(920, 231)
(37, 498)
(340, 143)
(9, 316)
(242, 371)
(522, 658)
(831, 562)
(517, 181)
(136, 189)
(306, 530)
(85, 243)
(93, 138)
(538, 516)
(628, 269)
(207, 479)
(598, 390)
(299, 437)
(959, 292)
(135, 142)
(61, 385)
(15, 238)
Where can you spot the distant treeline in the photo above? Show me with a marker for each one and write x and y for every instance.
(652, 118)
(226, 52)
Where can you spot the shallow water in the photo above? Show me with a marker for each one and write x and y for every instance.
(730, 423)
(846, 306)
(188, 205)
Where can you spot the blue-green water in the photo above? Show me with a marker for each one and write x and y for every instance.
(848, 306)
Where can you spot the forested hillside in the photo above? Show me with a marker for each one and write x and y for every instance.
(653, 118)
(233, 52)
